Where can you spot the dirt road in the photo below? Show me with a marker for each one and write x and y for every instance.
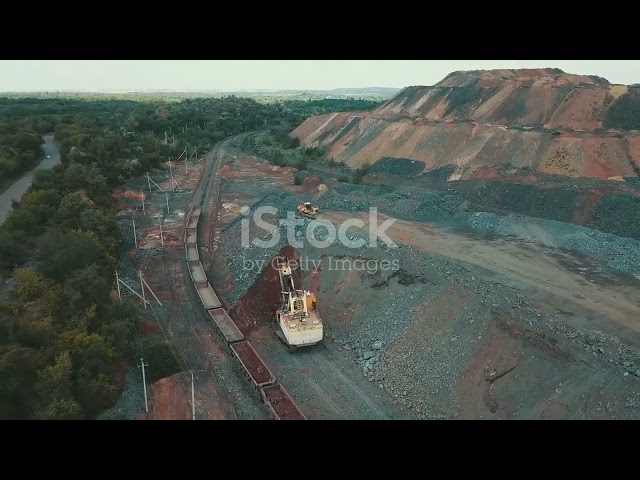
(15, 191)
(326, 382)
(563, 284)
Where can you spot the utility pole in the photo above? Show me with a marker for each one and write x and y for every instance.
(118, 284)
(161, 237)
(149, 182)
(135, 239)
(143, 211)
(166, 195)
(144, 300)
(144, 383)
(193, 398)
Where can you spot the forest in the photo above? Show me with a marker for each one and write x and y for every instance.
(62, 338)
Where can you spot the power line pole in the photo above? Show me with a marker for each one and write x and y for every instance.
(135, 239)
(193, 398)
(161, 237)
(118, 283)
(166, 195)
(143, 211)
(144, 383)
(144, 300)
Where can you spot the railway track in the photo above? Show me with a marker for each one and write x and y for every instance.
(272, 393)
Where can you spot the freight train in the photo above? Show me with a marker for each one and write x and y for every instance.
(272, 393)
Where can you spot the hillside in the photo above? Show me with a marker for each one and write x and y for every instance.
(541, 119)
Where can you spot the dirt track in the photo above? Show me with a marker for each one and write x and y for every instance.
(325, 381)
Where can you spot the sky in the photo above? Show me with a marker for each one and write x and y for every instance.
(185, 75)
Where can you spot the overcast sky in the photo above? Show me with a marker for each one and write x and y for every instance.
(182, 75)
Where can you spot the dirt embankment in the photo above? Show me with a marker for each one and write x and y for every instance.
(171, 398)
(546, 120)
(258, 305)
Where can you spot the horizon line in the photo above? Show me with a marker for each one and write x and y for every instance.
(152, 90)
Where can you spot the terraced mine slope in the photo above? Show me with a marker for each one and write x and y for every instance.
(543, 120)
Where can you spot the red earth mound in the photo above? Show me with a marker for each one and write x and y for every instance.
(544, 119)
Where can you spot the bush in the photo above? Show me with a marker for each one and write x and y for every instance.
(302, 163)
(299, 177)
(159, 356)
(360, 173)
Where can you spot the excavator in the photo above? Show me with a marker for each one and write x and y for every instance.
(297, 316)
(306, 210)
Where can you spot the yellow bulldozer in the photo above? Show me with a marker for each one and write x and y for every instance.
(305, 209)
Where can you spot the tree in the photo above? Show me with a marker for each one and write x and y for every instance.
(84, 288)
(302, 163)
(18, 372)
(60, 253)
(95, 392)
(29, 285)
(162, 362)
(60, 409)
(55, 381)
(12, 248)
(71, 208)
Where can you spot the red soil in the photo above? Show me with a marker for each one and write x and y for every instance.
(257, 306)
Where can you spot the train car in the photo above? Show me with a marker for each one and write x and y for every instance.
(227, 328)
(190, 236)
(280, 403)
(196, 272)
(252, 364)
(192, 252)
(208, 297)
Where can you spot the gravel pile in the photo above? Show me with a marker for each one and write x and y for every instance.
(422, 366)
(401, 167)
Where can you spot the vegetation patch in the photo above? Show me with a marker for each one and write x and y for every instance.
(624, 113)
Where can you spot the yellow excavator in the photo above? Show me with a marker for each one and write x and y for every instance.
(297, 316)
(305, 209)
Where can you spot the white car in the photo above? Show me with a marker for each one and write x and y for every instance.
(48, 156)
